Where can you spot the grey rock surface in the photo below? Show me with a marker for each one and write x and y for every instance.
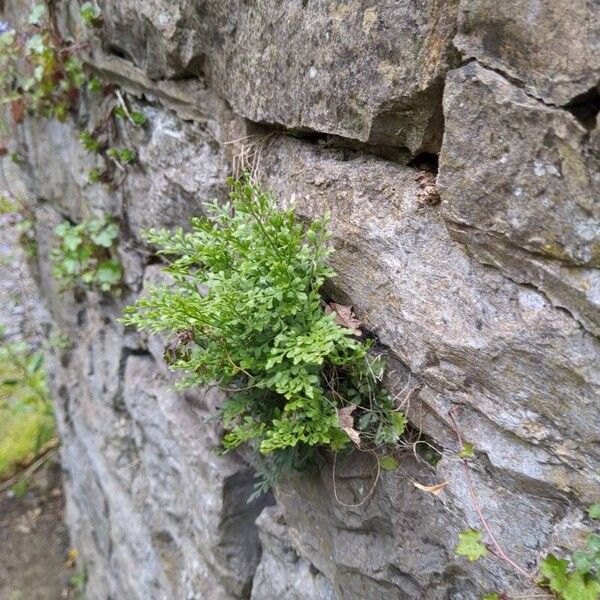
(512, 166)
(552, 48)
(486, 303)
(282, 573)
(368, 72)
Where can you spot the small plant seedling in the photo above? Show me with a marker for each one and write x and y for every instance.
(91, 15)
(123, 155)
(467, 451)
(83, 256)
(139, 119)
(136, 118)
(89, 142)
(95, 85)
(470, 544)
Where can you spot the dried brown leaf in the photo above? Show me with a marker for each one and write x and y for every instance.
(435, 489)
(346, 422)
(18, 110)
(344, 316)
(428, 193)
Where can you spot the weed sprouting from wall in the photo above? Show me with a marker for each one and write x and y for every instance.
(244, 309)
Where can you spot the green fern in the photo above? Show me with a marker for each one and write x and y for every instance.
(244, 310)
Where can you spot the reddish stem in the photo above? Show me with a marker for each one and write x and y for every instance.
(498, 551)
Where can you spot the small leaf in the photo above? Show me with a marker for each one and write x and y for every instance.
(36, 44)
(492, 596)
(578, 587)
(470, 544)
(435, 489)
(468, 450)
(555, 571)
(399, 422)
(594, 511)
(109, 273)
(138, 118)
(388, 463)
(106, 236)
(36, 14)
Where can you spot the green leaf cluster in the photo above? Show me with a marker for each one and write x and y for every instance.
(244, 310)
(26, 418)
(123, 155)
(91, 14)
(38, 73)
(577, 578)
(84, 255)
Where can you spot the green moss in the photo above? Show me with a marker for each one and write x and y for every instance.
(26, 418)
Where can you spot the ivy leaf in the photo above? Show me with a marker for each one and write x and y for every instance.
(594, 511)
(398, 421)
(36, 14)
(72, 240)
(108, 273)
(593, 543)
(388, 463)
(470, 544)
(91, 14)
(36, 44)
(106, 236)
(468, 450)
(554, 570)
(579, 588)
(492, 596)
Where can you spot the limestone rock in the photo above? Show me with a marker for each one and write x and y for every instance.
(166, 507)
(514, 167)
(476, 337)
(552, 47)
(371, 73)
(183, 168)
(282, 574)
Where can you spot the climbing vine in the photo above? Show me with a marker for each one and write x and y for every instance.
(575, 577)
(84, 255)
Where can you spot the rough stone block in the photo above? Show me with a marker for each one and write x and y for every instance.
(552, 47)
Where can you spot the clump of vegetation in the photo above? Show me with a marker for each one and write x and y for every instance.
(576, 577)
(91, 14)
(27, 424)
(39, 73)
(42, 75)
(245, 310)
(84, 255)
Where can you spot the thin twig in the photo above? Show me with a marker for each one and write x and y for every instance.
(30, 470)
(498, 551)
(335, 494)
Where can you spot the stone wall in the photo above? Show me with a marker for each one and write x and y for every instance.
(487, 301)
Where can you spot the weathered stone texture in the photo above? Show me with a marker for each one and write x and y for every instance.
(551, 47)
(487, 301)
(373, 73)
(282, 573)
(519, 186)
